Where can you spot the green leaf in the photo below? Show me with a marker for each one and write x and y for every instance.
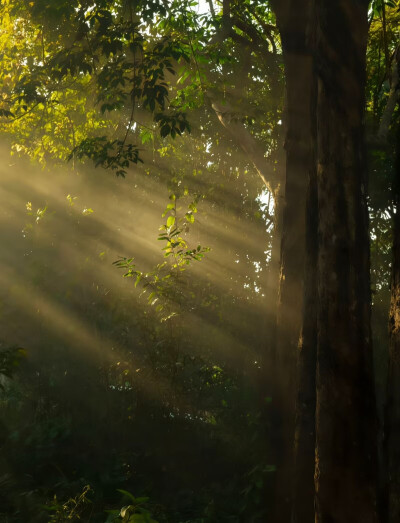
(142, 499)
(138, 278)
(127, 494)
(125, 511)
(141, 518)
(170, 221)
(165, 130)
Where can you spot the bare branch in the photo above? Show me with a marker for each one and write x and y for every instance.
(268, 28)
(212, 10)
(248, 144)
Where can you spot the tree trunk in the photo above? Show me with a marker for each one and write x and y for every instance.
(392, 415)
(298, 72)
(346, 439)
(272, 282)
(304, 441)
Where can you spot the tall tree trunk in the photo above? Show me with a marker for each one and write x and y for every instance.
(392, 422)
(304, 441)
(346, 440)
(292, 23)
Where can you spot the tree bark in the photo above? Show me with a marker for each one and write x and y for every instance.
(292, 20)
(392, 414)
(304, 440)
(346, 439)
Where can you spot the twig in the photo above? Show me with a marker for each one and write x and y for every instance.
(212, 10)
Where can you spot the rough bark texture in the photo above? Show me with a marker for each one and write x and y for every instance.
(304, 441)
(292, 19)
(346, 462)
(304, 438)
(392, 436)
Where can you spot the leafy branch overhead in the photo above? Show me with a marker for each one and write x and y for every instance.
(131, 66)
(110, 154)
(112, 51)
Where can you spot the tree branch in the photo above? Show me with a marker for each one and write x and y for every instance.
(248, 144)
(249, 30)
(268, 28)
(212, 10)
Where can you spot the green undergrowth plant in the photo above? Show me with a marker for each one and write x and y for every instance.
(74, 509)
(136, 512)
(10, 360)
(163, 284)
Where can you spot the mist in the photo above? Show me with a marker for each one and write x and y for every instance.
(200, 263)
(100, 363)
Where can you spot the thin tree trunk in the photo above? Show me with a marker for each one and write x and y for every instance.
(346, 439)
(392, 98)
(392, 415)
(273, 275)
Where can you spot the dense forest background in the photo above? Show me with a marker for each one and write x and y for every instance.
(199, 321)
